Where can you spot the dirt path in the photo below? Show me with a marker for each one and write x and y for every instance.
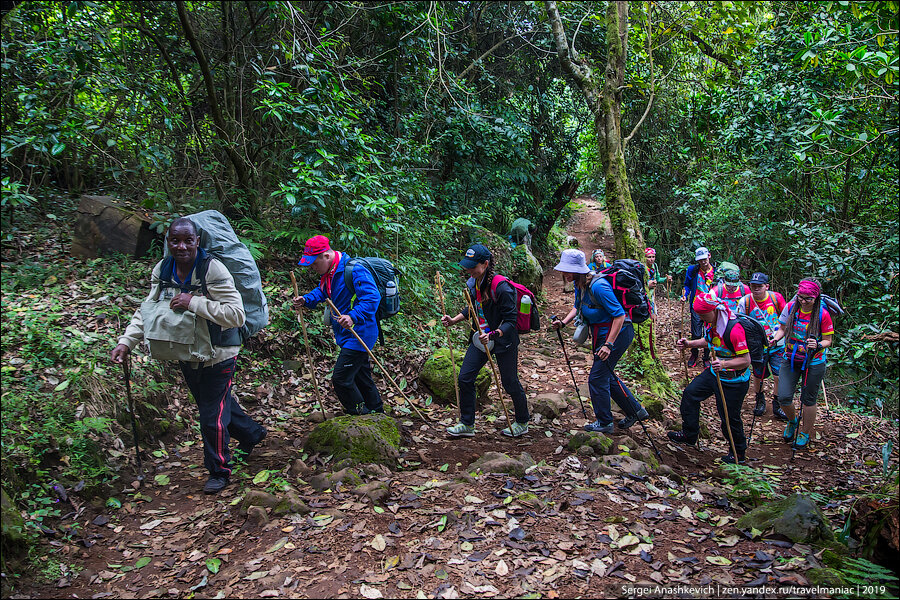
(558, 532)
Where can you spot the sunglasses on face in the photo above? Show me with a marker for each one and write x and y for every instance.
(805, 298)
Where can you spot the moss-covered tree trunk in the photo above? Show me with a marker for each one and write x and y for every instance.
(604, 98)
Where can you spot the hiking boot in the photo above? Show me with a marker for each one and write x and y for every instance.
(778, 412)
(679, 437)
(246, 449)
(695, 354)
(461, 430)
(515, 430)
(760, 409)
(631, 420)
(214, 485)
(599, 427)
(729, 458)
(802, 442)
(790, 430)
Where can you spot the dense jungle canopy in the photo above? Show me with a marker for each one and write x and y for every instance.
(766, 131)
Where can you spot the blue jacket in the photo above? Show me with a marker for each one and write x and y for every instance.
(361, 307)
(690, 281)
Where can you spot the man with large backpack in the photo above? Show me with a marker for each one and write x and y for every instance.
(194, 314)
(765, 307)
(726, 337)
(698, 279)
(730, 289)
(358, 304)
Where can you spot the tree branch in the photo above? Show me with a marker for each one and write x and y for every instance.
(652, 78)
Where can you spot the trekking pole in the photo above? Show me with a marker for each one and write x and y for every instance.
(566, 354)
(652, 346)
(126, 368)
(337, 315)
(641, 421)
(309, 361)
(440, 291)
(473, 315)
(825, 396)
(725, 410)
(762, 383)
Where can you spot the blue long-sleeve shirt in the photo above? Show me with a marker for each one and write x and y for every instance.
(690, 281)
(361, 307)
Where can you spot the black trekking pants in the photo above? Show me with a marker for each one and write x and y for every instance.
(221, 417)
(507, 364)
(353, 384)
(702, 387)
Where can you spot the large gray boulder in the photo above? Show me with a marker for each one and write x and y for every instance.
(372, 438)
(526, 270)
(796, 517)
(438, 374)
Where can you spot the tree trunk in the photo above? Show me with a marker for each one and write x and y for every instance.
(604, 99)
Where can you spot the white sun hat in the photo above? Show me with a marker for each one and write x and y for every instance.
(572, 261)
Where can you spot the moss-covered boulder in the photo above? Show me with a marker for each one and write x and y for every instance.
(497, 462)
(598, 442)
(645, 455)
(438, 374)
(348, 478)
(796, 517)
(654, 407)
(372, 438)
(12, 530)
(548, 405)
(616, 464)
(825, 577)
(526, 270)
(257, 498)
(291, 504)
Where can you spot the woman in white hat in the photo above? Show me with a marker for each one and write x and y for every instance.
(611, 334)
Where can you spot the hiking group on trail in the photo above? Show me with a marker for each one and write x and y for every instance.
(204, 302)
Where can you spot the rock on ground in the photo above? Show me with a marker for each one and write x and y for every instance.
(372, 438)
(497, 462)
(549, 405)
(526, 270)
(599, 443)
(796, 517)
(438, 374)
(616, 464)
(329, 481)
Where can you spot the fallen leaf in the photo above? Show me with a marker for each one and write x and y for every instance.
(277, 545)
(142, 562)
(474, 500)
(368, 591)
(502, 569)
(379, 544)
(213, 565)
(718, 560)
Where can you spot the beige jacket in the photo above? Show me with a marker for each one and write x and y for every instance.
(223, 306)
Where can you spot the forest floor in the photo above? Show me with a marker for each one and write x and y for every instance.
(580, 536)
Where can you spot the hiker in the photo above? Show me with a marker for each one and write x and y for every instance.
(730, 289)
(765, 307)
(352, 376)
(498, 334)
(520, 233)
(726, 337)
(808, 330)
(654, 278)
(598, 260)
(698, 279)
(611, 334)
(221, 417)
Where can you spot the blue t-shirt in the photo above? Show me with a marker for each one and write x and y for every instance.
(599, 307)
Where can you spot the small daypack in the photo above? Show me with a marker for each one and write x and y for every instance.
(387, 280)
(757, 342)
(219, 241)
(626, 277)
(527, 317)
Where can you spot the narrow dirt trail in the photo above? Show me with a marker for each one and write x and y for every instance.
(558, 532)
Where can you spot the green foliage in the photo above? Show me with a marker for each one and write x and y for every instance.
(875, 580)
(748, 483)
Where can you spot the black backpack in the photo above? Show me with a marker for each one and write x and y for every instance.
(386, 278)
(626, 277)
(757, 342)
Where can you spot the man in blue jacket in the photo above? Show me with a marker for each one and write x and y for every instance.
(699, 279)
(352, 377)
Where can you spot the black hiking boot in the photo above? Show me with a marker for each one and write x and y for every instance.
(729, 458)
(632, 419)
(778, 412)
(760, 409)
(215, 485)
(695, 354)
(679, 437)
(246, 449)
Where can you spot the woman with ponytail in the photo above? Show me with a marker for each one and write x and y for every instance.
(808, 330)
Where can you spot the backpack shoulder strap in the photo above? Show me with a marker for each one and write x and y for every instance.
(202, 270)
(497, 280)
(348, 276)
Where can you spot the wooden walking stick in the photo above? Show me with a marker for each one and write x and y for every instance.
(440, 291)
(474, 316)
(337, 315)
(725, 410)
(825, 396)
(309, 361)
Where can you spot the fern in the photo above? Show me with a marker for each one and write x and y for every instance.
(746, 482)
(874, 580)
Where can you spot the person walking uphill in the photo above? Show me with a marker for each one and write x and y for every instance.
(496, 316)
(352, 377)
(726, 337)
(611, 334)
(176, 297)
(765, 307)
(698, 279)
(730, 290)
(809, 331)
(654, 278)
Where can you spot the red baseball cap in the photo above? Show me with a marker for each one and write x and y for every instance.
(315, 246)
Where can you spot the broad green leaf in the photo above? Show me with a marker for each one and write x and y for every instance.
(213, 565)
(142, 562)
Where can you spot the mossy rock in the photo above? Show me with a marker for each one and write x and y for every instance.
(646, 455)
(346, 477)
(497, 462)
(257, 498)
(12, 528)
(526, 270)
(796, 517)
(549, 405)
(438, 374)
(291, 504)
(655, 407)
(372, 438)
(598, 442)
(826, 577)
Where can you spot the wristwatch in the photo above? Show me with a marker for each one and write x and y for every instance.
(610, 345)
